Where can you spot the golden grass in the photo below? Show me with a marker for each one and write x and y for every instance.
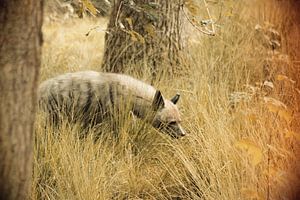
(217, 158)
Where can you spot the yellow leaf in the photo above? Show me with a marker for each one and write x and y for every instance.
(292, 134)
(135, 36)
(283, 113)
(229, 14)
(231, 3)
(281, 77)
(252, 149)
(279, 108)
(251, 194)
(129, 20)
(90, 7)
(192, 7)
(140, 37)
(286, 114)
(284, 78)
(275, 102)
(252, 117)
(150, 29)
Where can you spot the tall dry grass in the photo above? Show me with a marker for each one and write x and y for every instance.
(238, 146)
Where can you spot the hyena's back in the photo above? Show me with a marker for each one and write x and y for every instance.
(89, 96)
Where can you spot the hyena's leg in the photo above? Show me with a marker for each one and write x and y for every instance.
(53, 111)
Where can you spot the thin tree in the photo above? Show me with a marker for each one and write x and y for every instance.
(145, 35)
(20, 50)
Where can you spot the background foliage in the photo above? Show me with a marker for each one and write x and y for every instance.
(239, 105)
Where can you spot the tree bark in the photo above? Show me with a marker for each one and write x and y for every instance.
(145, 36)
(20, 50)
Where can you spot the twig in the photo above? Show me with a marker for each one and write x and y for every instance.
(96, 27)
(208, 13)
(117, 17)
(207, 32)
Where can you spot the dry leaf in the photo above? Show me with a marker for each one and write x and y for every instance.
(279, 108)
(281, 77)
(90, 7)
(274, 32)
(121, 25)
(252, 149)
(274, 43)
(258, 27)
(135, 36)
(282, 112)
(269, 84)
(284, 78)
(140, 37)
(252, 117)
(292, 134)
(129, 21)
(150, 29)
(229, 14)
(192, 6)
(275, 102)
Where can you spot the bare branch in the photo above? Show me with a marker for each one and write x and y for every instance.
(207, 32)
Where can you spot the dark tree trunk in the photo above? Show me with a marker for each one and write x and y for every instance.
(150, 40)
(20, 50)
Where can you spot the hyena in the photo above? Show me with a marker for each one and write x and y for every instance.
(90, 97)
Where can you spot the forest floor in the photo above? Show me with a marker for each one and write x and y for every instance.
(239, 106)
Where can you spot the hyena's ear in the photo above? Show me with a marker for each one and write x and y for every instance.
(158, 101)
(175, 98)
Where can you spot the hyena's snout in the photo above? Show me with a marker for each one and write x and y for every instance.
(174, 130)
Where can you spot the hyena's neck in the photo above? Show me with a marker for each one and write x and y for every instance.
(140, 98)
(142, 107)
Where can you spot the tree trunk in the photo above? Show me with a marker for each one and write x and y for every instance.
(144, 36)
(20, 50)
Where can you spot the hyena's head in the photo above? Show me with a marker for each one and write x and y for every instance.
(167, 118)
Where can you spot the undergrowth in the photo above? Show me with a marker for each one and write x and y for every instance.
(237, 104)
